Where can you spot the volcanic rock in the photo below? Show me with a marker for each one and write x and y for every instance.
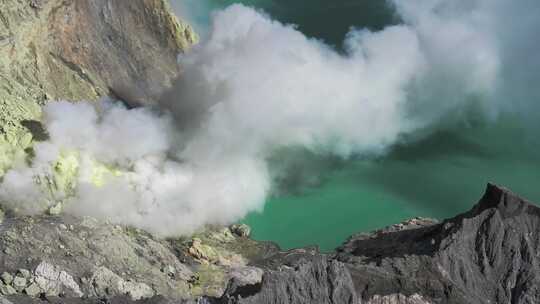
(487, 255)
(81, 50)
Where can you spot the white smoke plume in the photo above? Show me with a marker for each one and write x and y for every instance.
(255, 86)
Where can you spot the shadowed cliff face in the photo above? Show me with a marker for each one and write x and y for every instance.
(487, 255)
(81, 50)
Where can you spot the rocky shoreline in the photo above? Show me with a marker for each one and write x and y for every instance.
(486, 255)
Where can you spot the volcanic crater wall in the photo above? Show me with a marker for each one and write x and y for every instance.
(81, 50)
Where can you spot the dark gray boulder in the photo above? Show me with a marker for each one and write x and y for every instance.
(309, 279)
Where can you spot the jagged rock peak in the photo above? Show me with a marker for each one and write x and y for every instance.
(505, 201)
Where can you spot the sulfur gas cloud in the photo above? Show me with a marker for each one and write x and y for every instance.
(254, 87)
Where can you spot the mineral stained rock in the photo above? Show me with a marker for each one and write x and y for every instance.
(81, 50)
(83, 258)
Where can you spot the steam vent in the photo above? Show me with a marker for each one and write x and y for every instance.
(269, 152)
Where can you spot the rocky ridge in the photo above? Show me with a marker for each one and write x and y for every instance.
(486, 255)
(62, 256)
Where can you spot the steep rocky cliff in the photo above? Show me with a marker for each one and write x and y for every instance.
(81, 50)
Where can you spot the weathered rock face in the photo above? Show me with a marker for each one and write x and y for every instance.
(54, 256)
(119, 46)
(487, 255)
(104, 259)
(81, 50)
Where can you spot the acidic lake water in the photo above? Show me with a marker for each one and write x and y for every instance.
(438, 176)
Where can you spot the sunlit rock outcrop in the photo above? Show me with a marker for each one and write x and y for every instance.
(81, 50)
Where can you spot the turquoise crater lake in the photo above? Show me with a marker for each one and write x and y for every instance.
(438, 176)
